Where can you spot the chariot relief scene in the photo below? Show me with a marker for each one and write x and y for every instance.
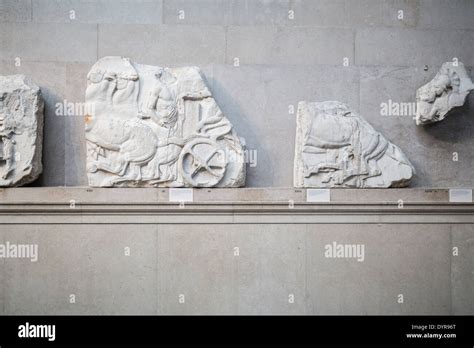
(151, 126)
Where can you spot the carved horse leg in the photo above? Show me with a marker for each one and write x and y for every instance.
(135, 174)
(119, 169)
(8, 168)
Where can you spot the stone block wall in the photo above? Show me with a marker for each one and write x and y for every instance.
(260, 57)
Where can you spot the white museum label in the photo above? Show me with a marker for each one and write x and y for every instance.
(318, 195)
(180, 194)
(460, 195)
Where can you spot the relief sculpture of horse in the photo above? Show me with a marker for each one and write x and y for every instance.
(344, 149)
(122, 142)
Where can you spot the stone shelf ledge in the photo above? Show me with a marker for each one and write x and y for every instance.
(92, 195)
(85, 205)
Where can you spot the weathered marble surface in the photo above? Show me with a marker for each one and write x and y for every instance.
(21, 130)
(448, 89)
(154, 126)
(335, 147)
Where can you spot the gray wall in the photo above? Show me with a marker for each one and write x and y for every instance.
(191, 251)
(282, 61)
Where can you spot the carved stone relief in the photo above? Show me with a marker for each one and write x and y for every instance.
(335, 147)
(160, 127)
(21, 130)
(447, 90)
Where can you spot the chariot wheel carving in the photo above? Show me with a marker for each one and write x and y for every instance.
(202, 163)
